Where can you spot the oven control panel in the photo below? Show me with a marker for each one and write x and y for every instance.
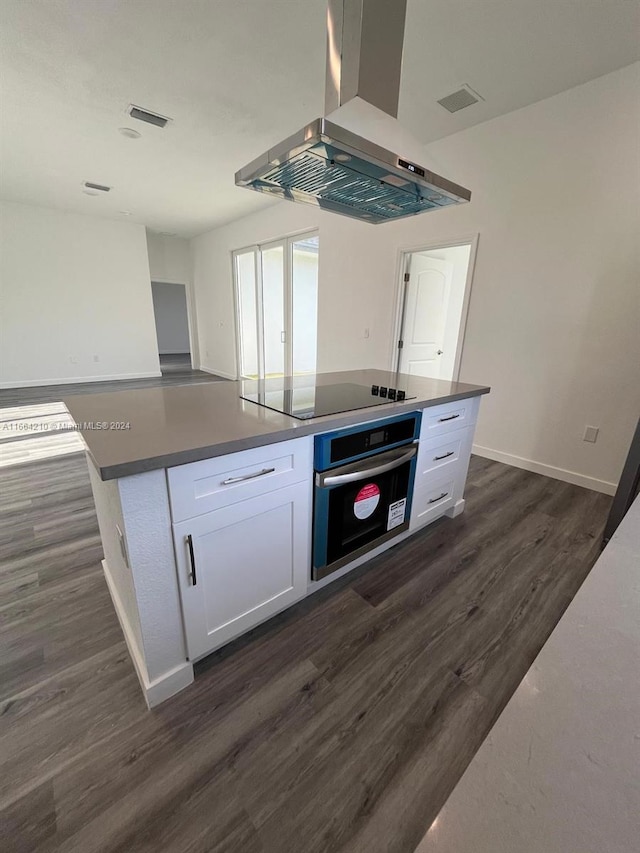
(353, 443)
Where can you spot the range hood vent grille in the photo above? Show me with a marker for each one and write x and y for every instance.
(343, 185)
(329, 167)
(357, 161)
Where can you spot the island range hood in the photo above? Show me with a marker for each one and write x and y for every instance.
(369, 177)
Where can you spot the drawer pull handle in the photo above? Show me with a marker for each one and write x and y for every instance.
(450, 418)
(439, 498)
(231, 480)
(192, 559)
(444, 455)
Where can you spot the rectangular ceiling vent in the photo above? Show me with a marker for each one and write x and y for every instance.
(147, 116)
(459, 100)
(89, 185)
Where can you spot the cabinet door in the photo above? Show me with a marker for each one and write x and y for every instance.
(252, 559)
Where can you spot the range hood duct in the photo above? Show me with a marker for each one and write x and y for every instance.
(347, 162)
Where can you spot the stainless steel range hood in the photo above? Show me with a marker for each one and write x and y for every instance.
(337, 169)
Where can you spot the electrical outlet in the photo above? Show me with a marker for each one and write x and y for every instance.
(591, 434)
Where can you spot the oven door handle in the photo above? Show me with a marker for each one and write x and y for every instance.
(328, 478)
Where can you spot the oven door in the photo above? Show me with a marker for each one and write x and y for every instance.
(361, 505)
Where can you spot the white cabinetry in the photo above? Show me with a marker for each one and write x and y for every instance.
(446, 437)
(250, 557)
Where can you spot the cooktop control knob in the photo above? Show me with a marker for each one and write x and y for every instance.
(401, 395)
(392, 394)
(383, 391)
(375, 389)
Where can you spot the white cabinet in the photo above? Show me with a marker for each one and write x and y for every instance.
(244, 562)
(241, 564)
(438, 420)
(201, 487)
(443, 461)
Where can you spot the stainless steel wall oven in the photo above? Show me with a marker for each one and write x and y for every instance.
(363, 487)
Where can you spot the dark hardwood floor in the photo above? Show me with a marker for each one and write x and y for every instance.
(175, 370)
(339, 727)
(175, 363)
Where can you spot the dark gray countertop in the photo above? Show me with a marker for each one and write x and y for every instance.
(185, 423)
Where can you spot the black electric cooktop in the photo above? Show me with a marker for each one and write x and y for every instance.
(313, 401)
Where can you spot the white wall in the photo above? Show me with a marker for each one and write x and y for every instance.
(170, 312)
(169, 258)
(74, 289)
(554, 319)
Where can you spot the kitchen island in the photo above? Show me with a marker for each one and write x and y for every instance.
(199, 546)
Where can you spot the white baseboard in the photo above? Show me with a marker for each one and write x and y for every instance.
(169, 684)
(456, 509)
(548, 470)
(159, 689)
(217, 373)
(78, 380)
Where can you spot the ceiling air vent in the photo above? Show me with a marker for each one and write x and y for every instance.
(88, 185)
(145, 115)
(463, 97)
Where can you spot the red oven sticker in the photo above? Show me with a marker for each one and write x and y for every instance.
(366, 501)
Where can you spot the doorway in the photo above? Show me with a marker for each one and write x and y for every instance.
(172, 326)
(276, 290)
(434, 298)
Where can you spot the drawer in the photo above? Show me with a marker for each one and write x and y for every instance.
(437, 420)
(214, 483)
(432, 500)
(442, 453)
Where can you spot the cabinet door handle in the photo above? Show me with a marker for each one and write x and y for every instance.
(230, 480)
(439, 498)
(192, 558)
(444, 455)
(450, 418)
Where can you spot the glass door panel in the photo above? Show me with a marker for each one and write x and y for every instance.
(304, 302)
(273, 310)
(248, 330)
(277, 307)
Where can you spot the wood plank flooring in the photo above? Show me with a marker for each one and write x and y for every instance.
(174, 372)
(175, 363)
(341, 726)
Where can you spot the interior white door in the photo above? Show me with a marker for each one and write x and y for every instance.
(425, 314)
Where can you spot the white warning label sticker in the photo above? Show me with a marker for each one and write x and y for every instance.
(396, 514)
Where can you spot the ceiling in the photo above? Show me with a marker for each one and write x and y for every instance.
(236, 77)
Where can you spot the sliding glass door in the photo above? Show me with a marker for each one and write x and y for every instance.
(276, 287)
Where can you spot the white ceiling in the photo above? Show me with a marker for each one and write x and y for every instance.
(237, 76)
